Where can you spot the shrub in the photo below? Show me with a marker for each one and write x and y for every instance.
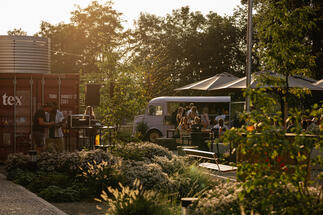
(150, 174)
(142, 151)
(192, 181)
(57, 194)
(18, 161)
(141, 129)
(136, 200)
(125, 137)
(221, 199)
(21, 177)
(100, 175)
(170, 166)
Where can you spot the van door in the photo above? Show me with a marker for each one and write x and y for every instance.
(154, 117)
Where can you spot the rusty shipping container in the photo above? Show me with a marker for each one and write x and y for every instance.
(21, 95)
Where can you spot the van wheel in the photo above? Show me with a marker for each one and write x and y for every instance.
(153, 135)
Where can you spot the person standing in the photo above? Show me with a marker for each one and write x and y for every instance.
(55, 134)
(38, 128)
(91, 132)
(205, 121)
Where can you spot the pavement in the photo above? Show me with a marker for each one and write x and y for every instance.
(15, 199)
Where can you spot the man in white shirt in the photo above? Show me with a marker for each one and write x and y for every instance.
(56, 136)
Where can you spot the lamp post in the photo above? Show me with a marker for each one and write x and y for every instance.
(249, 52)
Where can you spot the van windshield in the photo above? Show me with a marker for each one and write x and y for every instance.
(155, 110)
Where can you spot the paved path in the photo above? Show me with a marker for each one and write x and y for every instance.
(15, 199)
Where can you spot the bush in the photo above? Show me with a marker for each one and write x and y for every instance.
(137, 200)
(150, 174)
(192, 181)
(18, 161)
(170, 166)
(57, 194)
(125, 137)
(221, 199)
(142, 151)
(141, 129)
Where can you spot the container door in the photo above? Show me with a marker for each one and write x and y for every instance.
(23, 115)
(7, 103)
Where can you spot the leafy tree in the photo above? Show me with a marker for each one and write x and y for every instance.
(184, 47)
(17, 32)
(79, 45)
(66, 47)
(284, 46)
(123, 97)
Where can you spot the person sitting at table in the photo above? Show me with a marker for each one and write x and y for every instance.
(197, 126)
(219, 128)
(184, 127)
(221, 115)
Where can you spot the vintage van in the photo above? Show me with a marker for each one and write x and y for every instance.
(160, 113)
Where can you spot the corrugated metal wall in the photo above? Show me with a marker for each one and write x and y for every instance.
(24, 54)
(21, 95)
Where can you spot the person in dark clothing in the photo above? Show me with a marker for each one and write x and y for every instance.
(38, 128)
(197, 126)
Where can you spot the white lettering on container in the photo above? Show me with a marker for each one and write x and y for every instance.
(11, 100)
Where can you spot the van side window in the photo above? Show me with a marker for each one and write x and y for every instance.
(155, 110)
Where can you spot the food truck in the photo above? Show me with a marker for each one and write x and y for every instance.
(160, 112)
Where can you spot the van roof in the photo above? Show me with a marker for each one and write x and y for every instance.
(191, 99)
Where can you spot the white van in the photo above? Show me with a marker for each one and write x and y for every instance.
(160, 114)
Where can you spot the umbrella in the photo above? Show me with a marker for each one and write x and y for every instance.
(319, 83)
(256, 82)
(210, 83)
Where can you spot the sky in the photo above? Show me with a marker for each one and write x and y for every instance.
(28, 14)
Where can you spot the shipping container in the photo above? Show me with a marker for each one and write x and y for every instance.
(21, 94)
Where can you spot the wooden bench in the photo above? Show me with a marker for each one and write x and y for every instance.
(210, 156)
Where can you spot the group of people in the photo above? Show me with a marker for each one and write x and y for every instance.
(47, 129)
(189, 120)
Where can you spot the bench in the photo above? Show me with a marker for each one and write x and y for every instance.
(209, 156)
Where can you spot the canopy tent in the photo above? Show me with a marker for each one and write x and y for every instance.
(210, 83)
(319, 83)
(257, 81)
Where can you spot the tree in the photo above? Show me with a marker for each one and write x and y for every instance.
(126, 98)
(79, 45)
(184, 47)
(282, 28)
(17, 32)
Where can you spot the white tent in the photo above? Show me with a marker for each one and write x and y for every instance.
(319, 83)
(262, 80)
(210, 83)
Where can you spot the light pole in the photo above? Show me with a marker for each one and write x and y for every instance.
(249, 52)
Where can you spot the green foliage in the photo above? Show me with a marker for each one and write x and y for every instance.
(123, 94)
(125, 137)
(99, 175)
(283, 29)
(136, 201)
(79, 45)
(141, 130)
(142, 151)
(223, 198)
(17, 32)
(192, 181)
(272, 164)
(184, 47)
(56, 194)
